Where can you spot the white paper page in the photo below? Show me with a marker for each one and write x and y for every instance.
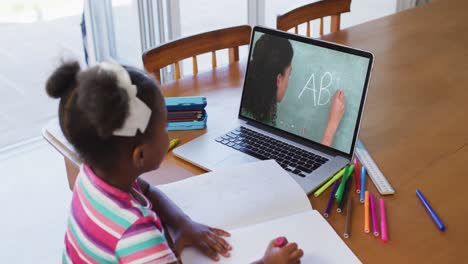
(313, 234)
(232, 198)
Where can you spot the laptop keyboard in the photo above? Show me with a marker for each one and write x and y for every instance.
(291, 158)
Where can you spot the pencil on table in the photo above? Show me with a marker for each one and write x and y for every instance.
(357, 177)
(375, 227)
(366, 212)
(383, 221)
(345, 195)
(331, 199)
(173, 143)
(349, 208)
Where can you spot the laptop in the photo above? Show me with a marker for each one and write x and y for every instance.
(301, 105)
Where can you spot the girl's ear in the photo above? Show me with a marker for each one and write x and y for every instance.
(138, 157)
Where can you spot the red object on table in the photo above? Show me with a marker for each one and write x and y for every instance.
(357, 177)
(281, 241)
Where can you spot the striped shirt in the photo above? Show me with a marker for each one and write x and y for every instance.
(107, 225)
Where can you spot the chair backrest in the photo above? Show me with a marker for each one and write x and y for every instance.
(175, 51)
(317, 10)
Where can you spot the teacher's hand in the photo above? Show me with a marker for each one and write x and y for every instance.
(337, 108)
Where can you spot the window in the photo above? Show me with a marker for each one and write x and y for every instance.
(126, 32)
(35, 36)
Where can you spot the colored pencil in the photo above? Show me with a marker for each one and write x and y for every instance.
(375, 227)
(363, 183)
(349, 208)
(173, 143)
(366, 212)
(345, 195)
(330, 200)
(357, 177)
(431, 211)
(329, 182)
(346, 176)
(383, 221)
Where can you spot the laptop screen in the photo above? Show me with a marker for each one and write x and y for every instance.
(312, 91)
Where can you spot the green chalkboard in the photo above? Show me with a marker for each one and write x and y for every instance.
(316, 74)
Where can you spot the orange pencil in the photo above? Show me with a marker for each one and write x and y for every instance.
(366, 212)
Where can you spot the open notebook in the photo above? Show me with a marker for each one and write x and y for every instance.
(256, 203)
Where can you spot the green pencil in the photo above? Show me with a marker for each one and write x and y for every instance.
(339, 191)
(329, 182)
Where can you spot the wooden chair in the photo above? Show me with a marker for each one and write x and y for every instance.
(307, 13)
(177, 50)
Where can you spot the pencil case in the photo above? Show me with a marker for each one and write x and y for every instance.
(189, 125)
(185, 103)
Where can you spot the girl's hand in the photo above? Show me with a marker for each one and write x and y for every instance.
(208, 240)
(289, 254)
(337, 108)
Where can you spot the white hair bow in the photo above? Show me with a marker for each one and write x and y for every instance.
(138, 112)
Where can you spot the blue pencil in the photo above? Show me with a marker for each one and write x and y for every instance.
(431, 211)
(363, 183)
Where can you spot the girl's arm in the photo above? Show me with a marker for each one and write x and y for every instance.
(208, 240)
(167, 210)
(337, 109)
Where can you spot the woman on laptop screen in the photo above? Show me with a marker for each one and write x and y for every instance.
(269, 71)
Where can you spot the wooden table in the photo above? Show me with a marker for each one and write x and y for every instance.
(414, 125)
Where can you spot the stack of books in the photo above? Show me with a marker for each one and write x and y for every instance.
(186, 113)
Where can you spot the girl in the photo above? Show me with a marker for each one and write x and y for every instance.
(268, 83)
(115, 118)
